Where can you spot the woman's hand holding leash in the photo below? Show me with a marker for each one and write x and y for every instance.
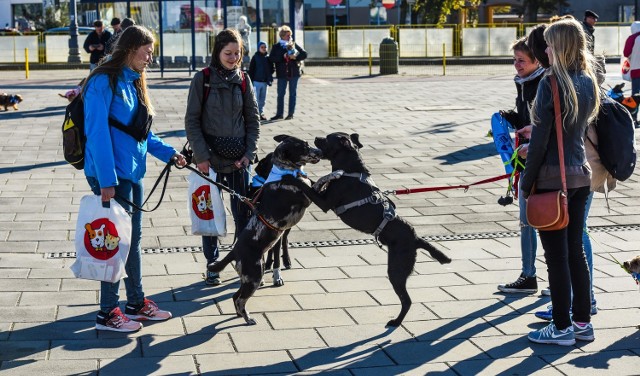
(523, 150)
(203, 167)
(525, 131)
(179, 160)
(243, 162)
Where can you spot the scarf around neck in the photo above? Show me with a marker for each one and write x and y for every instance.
(277, 173)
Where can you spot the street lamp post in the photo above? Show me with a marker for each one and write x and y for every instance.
(74, 53)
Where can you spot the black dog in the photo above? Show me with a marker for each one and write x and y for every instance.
(262, 170)
(281, 207)
(10, 100)
(351, 193)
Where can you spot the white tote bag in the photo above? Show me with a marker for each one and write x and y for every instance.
(206, 209)
(103, 239)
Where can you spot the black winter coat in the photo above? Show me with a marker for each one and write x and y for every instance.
(260, 68)
(94, 38)
(286, 69)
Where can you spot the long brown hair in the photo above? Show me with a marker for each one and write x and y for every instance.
(131, 39)
(223, 38)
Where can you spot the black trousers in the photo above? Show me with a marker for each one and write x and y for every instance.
(567, 264)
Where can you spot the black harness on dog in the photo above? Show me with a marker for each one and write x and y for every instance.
(377, 197)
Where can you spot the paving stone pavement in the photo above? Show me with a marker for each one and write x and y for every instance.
(329, 316)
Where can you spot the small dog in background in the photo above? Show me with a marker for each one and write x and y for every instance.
(291, 49)
(10, 100)
(633, 266)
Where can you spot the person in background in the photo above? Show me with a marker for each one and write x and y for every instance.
(117, 30)
(96, 44)
(588, 25)
(261, 73)
(224, 131)
(632, 51)
(528, 75)
(572, 66)
(287, 56)
(115, 163)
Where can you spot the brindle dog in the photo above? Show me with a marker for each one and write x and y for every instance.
(282, 206)
(359, 204)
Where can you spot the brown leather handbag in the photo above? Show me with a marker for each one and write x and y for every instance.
(550, 211)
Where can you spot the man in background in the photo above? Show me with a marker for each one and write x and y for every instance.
(590, 19)
(117, 30)
(96, 43)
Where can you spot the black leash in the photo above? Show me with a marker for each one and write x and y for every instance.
(165, 173)
(219, 185)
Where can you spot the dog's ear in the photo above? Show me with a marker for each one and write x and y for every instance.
(355, 139)
(280, 137)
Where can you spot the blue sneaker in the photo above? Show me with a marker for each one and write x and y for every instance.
(551, 335)
(583, 332)
(546, 315)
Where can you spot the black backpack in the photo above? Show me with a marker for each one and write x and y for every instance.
(616, 139)
(74, 138)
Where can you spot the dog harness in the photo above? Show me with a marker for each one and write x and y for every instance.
(275, 175)
(377, 197)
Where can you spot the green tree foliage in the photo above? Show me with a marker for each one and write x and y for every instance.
(437, 11)
(531, 8)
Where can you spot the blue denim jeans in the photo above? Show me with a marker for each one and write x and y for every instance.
(586, 242)
(528, 240)
(635, 89)
(282, 89)
(261, 89)
(109, 296)
(238, 181)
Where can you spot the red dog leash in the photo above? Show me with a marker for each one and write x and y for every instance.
(431, 189)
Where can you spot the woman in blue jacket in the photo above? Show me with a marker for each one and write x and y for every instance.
(118, 116)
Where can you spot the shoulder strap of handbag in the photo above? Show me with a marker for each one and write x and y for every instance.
(557, 110)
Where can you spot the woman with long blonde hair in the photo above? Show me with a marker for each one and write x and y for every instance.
(572, 66)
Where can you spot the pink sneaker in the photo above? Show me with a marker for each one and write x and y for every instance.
(147, 311)
(117, 322)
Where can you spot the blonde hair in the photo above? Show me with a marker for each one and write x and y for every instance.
(568, 45)
(283, 29)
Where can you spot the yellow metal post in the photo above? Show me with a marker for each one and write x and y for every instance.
(444, 59)
(26, 63)
(370, 61)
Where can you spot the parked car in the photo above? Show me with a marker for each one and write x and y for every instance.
(9, 31)
(82, 30)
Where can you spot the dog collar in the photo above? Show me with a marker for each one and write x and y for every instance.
(277, 173)
(257, 181)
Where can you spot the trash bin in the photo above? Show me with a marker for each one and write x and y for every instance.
(388, 56)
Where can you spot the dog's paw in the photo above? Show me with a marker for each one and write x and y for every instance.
(278, 282)
(250, 320)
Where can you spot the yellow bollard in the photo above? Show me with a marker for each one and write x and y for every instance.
(370, 61)
(26, 63)
(444, 60)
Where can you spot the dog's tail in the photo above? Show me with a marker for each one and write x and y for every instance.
(433, 251)
(218, 266)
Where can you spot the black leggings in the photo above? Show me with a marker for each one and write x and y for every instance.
(567, 264)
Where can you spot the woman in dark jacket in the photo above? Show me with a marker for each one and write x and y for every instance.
(571, 64)
(214, 128)
(286, 55)
(528, 76)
